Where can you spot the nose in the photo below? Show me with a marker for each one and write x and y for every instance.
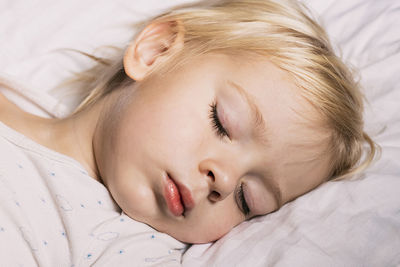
(222, 179)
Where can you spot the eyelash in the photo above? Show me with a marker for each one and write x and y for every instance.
(245, 207)
(216, 123)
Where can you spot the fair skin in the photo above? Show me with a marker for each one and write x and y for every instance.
(165, 129)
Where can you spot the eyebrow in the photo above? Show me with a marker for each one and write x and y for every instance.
(261, 134)
(276, 190)
(257, 117)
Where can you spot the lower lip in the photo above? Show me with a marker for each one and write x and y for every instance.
(173, 198)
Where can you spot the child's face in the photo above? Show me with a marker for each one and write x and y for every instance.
(169, 129)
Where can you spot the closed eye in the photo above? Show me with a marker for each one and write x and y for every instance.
(245, 208)
(216, 123)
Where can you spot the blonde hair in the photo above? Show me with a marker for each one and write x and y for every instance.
(284, 32)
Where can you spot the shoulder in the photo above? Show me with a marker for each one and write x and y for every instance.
(4, 103)
(10, 114)
(6, 108)
(2, 99)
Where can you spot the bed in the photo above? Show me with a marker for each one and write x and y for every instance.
(346, 223)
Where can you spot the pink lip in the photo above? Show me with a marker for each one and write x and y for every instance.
(186, 196)
(178, 197)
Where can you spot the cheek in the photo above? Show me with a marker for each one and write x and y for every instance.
(159, 125)
(121, 161)
(133, 195)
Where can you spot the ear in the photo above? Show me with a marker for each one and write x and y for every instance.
(154, 44)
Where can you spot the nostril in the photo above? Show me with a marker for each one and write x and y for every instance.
(211, 174)
(214, 196)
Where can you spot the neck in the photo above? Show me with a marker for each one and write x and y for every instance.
(72, 136)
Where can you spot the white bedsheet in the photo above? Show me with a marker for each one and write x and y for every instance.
(348, 223)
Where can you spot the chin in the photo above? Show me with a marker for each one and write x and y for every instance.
(193, 237)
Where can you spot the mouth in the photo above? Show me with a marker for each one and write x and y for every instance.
(178, 197)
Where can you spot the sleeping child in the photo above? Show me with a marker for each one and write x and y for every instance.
(215, 113)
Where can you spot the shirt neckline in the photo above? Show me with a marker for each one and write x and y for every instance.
(25, 142)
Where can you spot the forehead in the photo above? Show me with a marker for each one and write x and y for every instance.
(290, 120)
(279, 101)
(295, 143)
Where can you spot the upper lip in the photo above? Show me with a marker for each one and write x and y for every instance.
(185, 193)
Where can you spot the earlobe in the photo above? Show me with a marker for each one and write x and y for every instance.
(155, 43)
